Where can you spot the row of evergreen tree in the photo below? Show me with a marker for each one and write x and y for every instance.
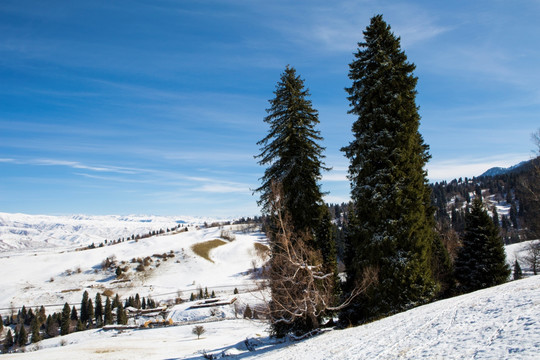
(33, 326)
(394, 256)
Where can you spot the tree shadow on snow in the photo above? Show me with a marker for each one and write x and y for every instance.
(248, 348)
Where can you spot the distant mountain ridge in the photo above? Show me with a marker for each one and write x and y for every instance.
(495, 171)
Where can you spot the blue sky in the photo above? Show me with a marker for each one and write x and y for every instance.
(156, 106)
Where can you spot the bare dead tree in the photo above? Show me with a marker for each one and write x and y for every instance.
(532, 256)
(529, 192)
(301, 290)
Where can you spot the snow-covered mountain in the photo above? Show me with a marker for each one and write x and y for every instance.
(494, 171)
(21, 231)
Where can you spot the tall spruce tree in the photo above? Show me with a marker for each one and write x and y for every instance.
(481, 261)
(84, 308)
(65, 320)
(392, 233)
(22, 337)
(292, 153)
(98, 311)
(294, 161)
(109, 319)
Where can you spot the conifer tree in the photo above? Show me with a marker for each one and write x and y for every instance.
(84, 308)
(50, 327)
(36, 336)
(293, 154)
(116, 301)
(74, 315)
(66, 320)
(8, 341)
(121, 316)
(80, 326)
(393, 233)
(1, 324)
(98, 311)
(90, 311)
(294, 161)
(22, 336)
(481, 261)
(108, 312)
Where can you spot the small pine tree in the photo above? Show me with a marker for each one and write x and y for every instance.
(206, 293)
(80, 326)
(1, 324)
(116, 301)
(121, 316)
(518, 274)
(98, 311)
(84, 308)
(22, 337)
(235, 291)
(8, 341)
(481, 261)
(213, 295)
(90, 311)
(50, 327)
(74, 315)
(108, 312)
(36, 336)
(192, 297)
(66, 318)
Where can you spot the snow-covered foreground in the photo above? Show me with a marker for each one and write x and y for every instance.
(498, 323)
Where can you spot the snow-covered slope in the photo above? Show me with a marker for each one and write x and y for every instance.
(54, 276)
(502, 322)
(21, 231)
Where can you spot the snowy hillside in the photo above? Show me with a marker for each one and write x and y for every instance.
(498, 323)
(21, 231)
(169, 265)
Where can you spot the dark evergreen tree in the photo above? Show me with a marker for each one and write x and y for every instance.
(1, 325)
(34, 326)
(50, 327)
(108, 312)
(98, 311)
(22, 336)
(66, 320)
(90, 311)
(121, 316)
(84, 308)
(8, 341)
(74, 316)
(116, 301)
(393, 234)
(80, 326)
(294, 161)
(292, 153)
(481, 261)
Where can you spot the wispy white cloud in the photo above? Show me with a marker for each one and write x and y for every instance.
(450, 169)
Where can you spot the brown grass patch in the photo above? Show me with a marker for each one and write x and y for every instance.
(108, 293)
(261, 250)
(70, 290)
(203, 249)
